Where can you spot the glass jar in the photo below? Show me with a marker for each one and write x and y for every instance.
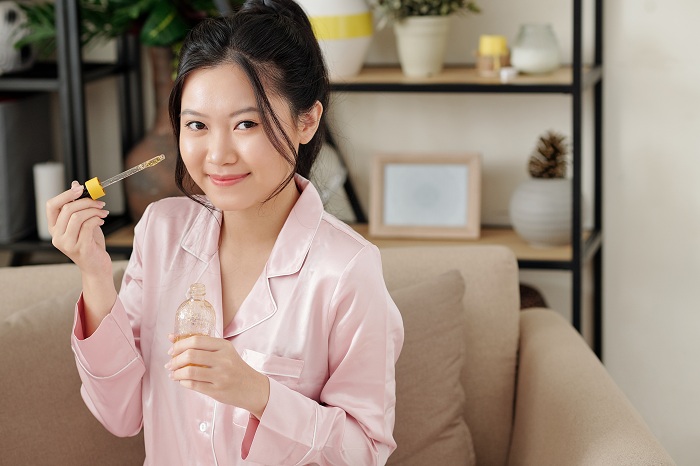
(536, 49)
(195, 316)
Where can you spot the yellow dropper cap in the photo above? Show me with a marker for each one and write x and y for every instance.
(93, 188)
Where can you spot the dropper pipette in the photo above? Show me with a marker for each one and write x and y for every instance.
(94, 188)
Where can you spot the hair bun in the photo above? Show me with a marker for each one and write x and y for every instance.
(272, 6)
(285, 8)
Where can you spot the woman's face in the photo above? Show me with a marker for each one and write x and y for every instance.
(223, 143)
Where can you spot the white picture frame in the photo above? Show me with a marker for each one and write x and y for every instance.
(426, 196)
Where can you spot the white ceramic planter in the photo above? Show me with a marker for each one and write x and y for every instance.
(421, 42)
(12, 59)
(344, 31)
(540, 211)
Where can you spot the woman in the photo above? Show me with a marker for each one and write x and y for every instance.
(303, 369)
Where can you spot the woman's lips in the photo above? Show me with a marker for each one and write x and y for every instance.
(227, 180)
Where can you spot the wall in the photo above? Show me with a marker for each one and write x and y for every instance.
(652, 261)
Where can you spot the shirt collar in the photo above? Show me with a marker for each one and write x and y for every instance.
(202, 238)
(293, 242)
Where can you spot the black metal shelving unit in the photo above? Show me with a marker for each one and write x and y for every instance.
(586, 247)
(67, 77)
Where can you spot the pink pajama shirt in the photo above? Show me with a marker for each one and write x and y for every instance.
(318, 322)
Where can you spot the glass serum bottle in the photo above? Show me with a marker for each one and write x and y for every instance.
(195, 316)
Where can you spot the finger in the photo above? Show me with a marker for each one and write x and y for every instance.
(77, 221)
(85, 236)
(73, 242)
(190, 358)
(197, 386)
(67, 211)
(54, 205)
(201, 342)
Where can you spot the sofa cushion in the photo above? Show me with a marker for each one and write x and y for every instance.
(44, 419)
(430, 425)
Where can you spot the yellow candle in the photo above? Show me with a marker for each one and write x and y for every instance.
(493, 45)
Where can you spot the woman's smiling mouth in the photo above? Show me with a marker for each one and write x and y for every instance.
(227, 180)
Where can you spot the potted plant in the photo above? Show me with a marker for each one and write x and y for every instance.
(161, 26)
(540, 208)
(421, 28)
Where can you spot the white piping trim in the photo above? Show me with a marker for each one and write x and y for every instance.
(213, 425)
(278, 374)
(88, 372)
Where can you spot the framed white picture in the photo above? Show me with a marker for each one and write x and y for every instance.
(426, 196)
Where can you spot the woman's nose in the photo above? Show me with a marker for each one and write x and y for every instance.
(222, 150)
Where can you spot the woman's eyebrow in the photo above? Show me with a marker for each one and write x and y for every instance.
(232, 115)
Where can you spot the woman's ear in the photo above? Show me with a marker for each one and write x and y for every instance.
(309, 121)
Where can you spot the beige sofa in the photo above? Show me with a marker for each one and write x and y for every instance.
(478, 382)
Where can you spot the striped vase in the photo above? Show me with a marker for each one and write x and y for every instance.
(344, 31)
(540, 211)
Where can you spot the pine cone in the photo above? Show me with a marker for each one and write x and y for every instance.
(548, 160)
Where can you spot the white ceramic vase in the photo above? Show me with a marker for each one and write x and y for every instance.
(540, 211)
(344, 31)
(421, 42)
(536, 49)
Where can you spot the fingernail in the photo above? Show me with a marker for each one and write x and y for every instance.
(167, 365)
(102, 204)
(76, 187)
(170, 351)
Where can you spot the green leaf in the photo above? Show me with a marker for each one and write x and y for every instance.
(162, 23)
(163, 26)
(41, 28)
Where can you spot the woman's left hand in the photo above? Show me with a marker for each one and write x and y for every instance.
(213, 367)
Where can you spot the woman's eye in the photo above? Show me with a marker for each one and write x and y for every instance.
(195, 125)
(246, 125)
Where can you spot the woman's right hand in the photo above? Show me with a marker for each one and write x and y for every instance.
(74, 225)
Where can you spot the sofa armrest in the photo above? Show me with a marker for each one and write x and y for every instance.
(568, 410)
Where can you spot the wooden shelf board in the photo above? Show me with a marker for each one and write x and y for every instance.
(492, 236)
(462, 78)
(123, 238)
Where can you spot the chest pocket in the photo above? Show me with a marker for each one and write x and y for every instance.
(284, 370)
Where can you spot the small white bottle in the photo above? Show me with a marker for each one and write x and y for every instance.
(195, 316)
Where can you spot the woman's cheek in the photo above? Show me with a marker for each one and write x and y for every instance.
(188, 147)
(193, 154)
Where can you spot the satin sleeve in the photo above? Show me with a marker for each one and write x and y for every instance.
(354, 420)
(109, 361)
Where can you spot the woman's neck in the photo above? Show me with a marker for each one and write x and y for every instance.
(259, 225)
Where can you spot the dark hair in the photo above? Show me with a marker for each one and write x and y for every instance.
(273, 43)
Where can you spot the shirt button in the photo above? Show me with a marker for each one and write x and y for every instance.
(203, 427)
